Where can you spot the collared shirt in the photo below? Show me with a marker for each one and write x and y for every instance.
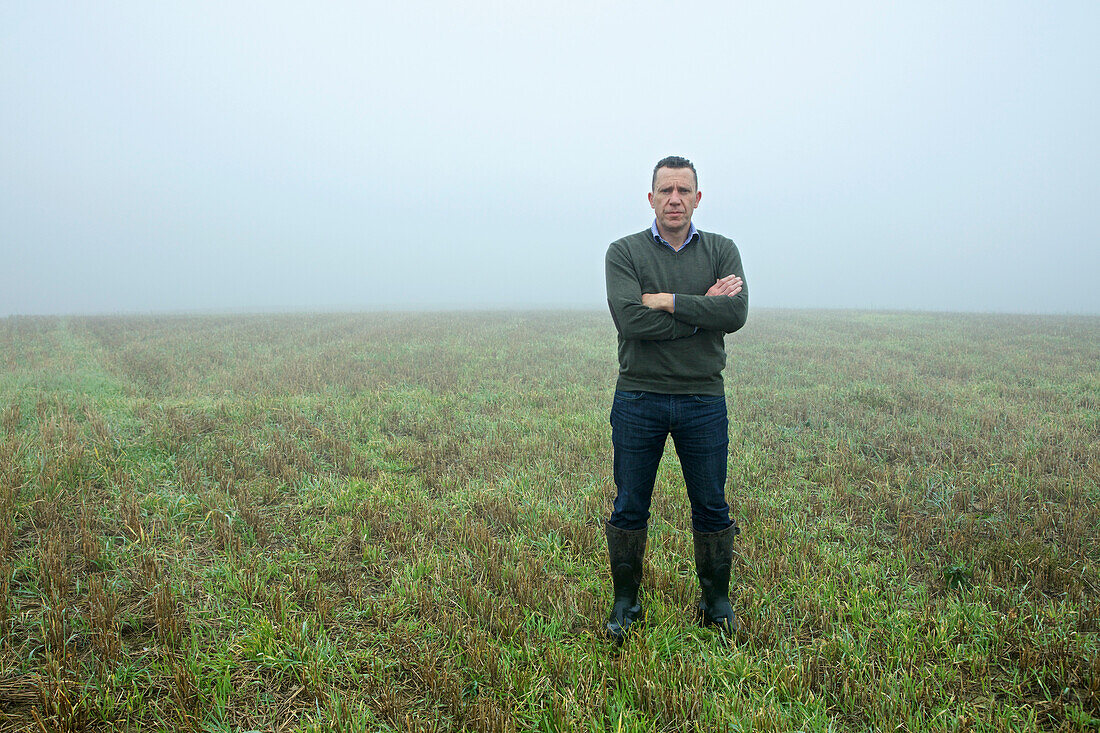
(657, 236)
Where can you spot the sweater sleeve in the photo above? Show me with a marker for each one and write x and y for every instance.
(717, 312)
(633, 320)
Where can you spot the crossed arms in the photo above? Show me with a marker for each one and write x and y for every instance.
(666, 316)
(729, 285)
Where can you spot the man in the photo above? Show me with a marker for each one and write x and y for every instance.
(674, 293)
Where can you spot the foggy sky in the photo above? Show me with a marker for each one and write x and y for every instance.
(310, 156)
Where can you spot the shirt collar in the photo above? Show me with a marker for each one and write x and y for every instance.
(692, 231)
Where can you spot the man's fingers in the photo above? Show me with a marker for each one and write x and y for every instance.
(729, 289)
(728, 285)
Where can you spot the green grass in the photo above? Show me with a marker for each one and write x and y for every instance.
(394, 522)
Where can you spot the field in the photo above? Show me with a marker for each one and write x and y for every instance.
(361, 522)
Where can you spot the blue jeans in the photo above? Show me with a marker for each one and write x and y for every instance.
(640, 424)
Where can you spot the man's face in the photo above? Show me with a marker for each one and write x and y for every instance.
(674, 198)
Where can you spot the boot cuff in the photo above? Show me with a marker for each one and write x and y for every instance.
(731, 531)
(612, 531)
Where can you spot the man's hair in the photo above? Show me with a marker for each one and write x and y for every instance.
(674, 161)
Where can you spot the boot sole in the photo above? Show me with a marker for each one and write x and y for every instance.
(624, 631)
(727, 625)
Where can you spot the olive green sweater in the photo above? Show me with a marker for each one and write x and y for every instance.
(682, 352)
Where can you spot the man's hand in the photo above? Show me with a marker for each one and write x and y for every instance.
(729, 285)
(659, 301)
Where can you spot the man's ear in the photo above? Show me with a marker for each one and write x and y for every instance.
(651, 199)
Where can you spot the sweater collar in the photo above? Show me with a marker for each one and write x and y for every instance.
(692, 231)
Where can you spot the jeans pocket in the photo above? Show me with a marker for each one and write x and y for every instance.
(709, 399)
(629, 396)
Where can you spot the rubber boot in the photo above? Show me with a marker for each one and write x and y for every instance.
(625, 548)
(713, 558)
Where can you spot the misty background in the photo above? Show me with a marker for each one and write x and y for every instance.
(209, 156)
